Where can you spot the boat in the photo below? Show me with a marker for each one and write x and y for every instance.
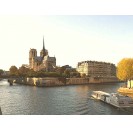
(114, 99)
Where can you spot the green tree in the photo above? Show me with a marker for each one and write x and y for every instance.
(125, 69)
(13, 71)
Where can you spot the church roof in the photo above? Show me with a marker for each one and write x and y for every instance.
(38, 58)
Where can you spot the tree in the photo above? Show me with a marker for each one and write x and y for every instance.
(75, 74)
(13, 71)
(31, 73)
(60, 70)
(125, 69)
(83, 75)
(23, 71)
(67, 73)
(1, 72)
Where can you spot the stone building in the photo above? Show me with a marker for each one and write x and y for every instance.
(42, 62)
(96, 69)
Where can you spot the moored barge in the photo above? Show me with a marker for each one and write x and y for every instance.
(114, 99)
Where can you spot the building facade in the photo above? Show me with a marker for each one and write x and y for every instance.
(42, 62)
(96, 69)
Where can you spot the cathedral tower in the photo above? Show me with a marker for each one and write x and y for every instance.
(32, 55)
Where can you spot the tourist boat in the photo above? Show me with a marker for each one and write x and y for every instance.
(114, 99)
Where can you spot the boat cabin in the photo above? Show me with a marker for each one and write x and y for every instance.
(114, 99)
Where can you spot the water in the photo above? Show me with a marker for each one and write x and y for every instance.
(66, 100)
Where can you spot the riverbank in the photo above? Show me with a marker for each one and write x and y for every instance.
(125, 90)
(60, 81)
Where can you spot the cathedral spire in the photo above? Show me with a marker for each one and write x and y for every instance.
(43, 44)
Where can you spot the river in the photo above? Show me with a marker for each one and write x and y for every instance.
(66, 100)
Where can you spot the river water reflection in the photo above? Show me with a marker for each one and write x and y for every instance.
(66, 100)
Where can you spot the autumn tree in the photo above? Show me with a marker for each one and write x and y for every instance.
(125, 69)
(23, 71)
(13, 71)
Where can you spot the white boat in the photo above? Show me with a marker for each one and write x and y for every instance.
(114, 99)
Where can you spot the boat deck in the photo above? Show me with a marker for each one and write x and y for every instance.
(114, 99)
(101, 93)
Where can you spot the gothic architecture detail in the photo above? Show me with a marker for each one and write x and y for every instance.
(42, 62)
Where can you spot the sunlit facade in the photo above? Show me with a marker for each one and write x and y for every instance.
(96, 69)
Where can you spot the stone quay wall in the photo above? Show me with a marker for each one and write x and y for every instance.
(64, 81)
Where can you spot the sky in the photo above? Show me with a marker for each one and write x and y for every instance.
(70, 38)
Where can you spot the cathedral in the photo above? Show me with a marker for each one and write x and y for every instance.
(42, 62)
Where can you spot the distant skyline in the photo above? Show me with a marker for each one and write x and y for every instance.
(71, 38)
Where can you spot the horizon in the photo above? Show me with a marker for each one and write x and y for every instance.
(70, 38)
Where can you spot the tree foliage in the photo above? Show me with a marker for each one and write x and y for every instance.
(60, 70)
(83, 75)
(31, 73)
(75, 74)
(1, 72)
(125, 69)
(63, 72)
(13, 71)
(67, 73)
(23, 71)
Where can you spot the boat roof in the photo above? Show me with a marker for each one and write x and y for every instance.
(101, 92)
(112, 94)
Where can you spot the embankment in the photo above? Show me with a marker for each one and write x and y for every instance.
(125, 90)
(48, 81)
